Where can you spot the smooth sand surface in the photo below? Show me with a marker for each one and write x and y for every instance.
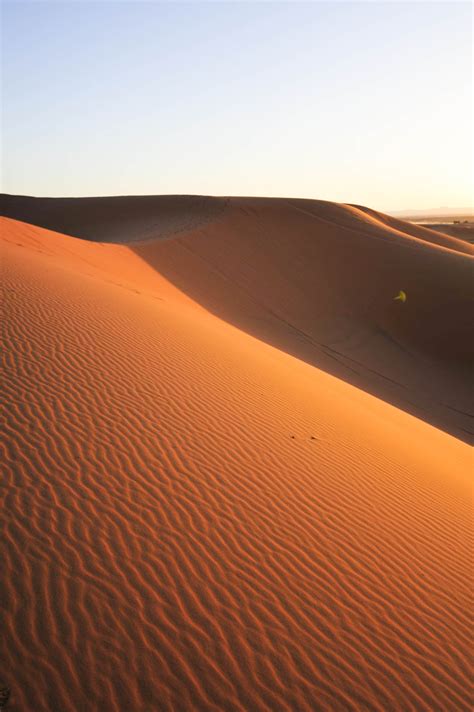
(115, 219)
(196, 519)
(459, 231)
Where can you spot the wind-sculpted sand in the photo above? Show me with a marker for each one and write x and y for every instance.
(115, 219)
(194, 519)
(463, 232)
(312, 278)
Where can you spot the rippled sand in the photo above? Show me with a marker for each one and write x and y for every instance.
(198, 514)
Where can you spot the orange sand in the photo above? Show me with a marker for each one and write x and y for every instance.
(197, 520)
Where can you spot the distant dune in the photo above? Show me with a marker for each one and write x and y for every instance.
(217, 494)
(461, 231)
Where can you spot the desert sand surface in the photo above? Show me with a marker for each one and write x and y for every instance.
(217, 495)
(115, 219)
(312, 278)
(461, 231)
(456, 224)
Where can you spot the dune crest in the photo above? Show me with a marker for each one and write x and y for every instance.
(196, 520)
(115, 219)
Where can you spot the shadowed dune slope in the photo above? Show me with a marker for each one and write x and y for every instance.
(319, 281)
(312, 278)
(114, 219)
(195, 520)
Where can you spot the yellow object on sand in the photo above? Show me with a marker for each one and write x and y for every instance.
(401, 296)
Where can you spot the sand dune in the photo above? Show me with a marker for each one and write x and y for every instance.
(315, 279)
(115, 219)
(197, 520)
(463, 232)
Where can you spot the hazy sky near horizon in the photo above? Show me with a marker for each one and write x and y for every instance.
(361, 102)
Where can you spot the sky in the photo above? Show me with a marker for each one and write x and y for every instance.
(358, 102)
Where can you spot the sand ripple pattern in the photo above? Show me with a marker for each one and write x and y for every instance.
(195, 521)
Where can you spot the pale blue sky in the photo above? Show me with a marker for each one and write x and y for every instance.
(366, 102)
